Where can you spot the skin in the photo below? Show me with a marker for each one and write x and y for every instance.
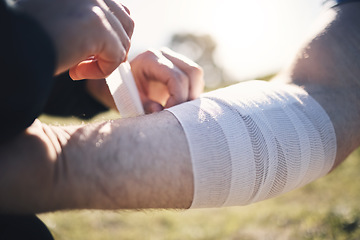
(144, 162)
(101, 166)
(44, 168)
(67, 170)
(164, 79)
(91, 37)
(327, 66)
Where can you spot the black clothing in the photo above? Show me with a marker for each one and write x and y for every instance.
(69, 98)
(29, 88)
(18, 227)
(27, 64)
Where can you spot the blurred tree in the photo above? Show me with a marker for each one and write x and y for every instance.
(201, 49)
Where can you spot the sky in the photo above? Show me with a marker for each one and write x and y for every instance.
(254, 37)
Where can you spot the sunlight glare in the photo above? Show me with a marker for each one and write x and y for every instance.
(254, 37)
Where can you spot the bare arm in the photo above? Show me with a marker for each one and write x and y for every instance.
(127, 163)
(109, 165)
(145, 162)
(130, 163)
(328, 68)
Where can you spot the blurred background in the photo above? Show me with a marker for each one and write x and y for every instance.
(233, 40)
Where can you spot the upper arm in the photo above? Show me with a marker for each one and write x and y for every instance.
(327, 68)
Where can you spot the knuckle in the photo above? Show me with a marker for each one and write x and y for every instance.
(152, 52)
(178, 85)
(127, 44)
(106, 72)
(149, 54)
(129, 26)
(122, 56)
(120, 59)
(95, 16)
(182, 79)
(196, 72)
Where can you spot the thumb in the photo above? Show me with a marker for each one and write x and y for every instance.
(92, 69)
(151, 106)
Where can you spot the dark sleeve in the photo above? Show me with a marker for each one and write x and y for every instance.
(333, 3)
(70, 98)
(345, 1)
(27, 63)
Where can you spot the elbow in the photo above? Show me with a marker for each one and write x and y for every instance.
(27, 172)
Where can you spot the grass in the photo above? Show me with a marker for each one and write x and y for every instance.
(325, 209)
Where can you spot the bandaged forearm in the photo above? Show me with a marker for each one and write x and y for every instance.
(253, 141)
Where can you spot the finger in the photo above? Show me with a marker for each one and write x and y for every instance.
(126, 9)
(109, 57)
(161, 69)
(93, 69)
(122, 14)
(178, 86)
(112, 22)
(192, 70)
(118, 28)
(149, 105)
(152, 106)
(158, 92)
(101, 67)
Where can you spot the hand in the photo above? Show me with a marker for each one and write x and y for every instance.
(91, 37)
(165, 78)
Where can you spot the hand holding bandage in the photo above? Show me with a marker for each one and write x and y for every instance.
(165, 78)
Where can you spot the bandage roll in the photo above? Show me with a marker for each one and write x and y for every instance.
(123, 89)
(253, 141)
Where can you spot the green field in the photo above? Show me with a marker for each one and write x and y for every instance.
(326, 209)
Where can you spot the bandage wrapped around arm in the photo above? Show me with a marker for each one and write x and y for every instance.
(253, 141)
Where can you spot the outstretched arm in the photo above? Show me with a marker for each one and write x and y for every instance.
(145, 162)
(126, 163)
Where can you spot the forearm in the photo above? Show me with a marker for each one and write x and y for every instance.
(134, 163)
(130, 163)
(145, 162)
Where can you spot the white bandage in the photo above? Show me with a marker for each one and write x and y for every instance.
(123, 89)
(253, 141)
